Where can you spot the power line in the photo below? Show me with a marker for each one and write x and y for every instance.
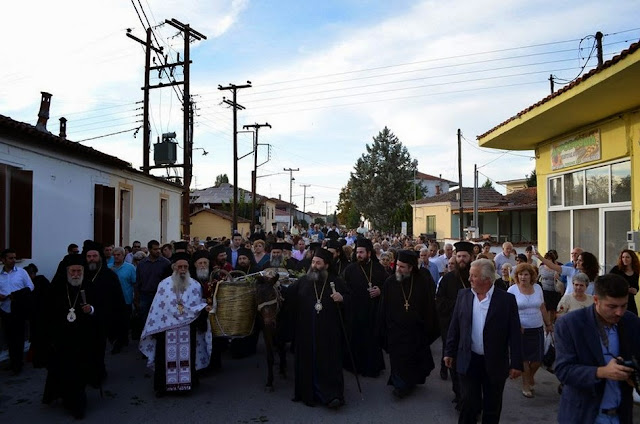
(108, 135)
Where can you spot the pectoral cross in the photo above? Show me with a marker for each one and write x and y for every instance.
(406, 305)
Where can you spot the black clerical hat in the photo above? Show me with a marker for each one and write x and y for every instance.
(73, 259)
(364, 242)
(324, 254)
(199, 254)
(464, 246)
(217, 249)
(333, 244)
(408, 257)
(179, 257)
(180, 245)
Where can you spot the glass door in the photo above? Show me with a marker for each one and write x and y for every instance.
(617, 221)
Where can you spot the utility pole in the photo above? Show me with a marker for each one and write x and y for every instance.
(326, 211)
(234, 104)
(146, 129)
(476, 225)
(460, 180)
(551, 83)
(304, 198)
(189, 35)
(291, 170)
(256, 127)
(599, 36)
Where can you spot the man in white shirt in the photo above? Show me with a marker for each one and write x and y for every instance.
(484, 344)
(15, 292)
(505, 256)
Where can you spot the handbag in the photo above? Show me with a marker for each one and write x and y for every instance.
(549, 356)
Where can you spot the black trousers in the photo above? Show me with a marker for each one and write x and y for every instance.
(13, 327)
(480, 392)
(455, 382)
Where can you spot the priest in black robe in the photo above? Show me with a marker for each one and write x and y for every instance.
(446, 296)
(340, 260)
(408, 324)
(109, 297)
(318, 353)
(365, 279)
(74, 337)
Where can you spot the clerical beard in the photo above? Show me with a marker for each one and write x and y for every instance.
(463, 272)
(276, 261)
(314, 275)
(92, 266)
(202, 274)
(180, 282)
(400, 276)
(75, 282)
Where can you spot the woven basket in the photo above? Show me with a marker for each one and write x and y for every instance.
(236, 311)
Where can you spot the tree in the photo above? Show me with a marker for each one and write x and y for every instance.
(532, 180)
(318, 221)
(348, 215)
(487, 184)
(221, 179)
(382, 182)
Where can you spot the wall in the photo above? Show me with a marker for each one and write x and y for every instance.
(619, 137)
(63, 200)
(442, 212)
(205, 224)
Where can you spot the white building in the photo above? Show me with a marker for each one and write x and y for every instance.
(434, 186)
(54, 192)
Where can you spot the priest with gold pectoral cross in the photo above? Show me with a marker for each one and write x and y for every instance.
(408, 324)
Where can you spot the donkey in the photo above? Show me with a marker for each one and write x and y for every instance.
(269, 304)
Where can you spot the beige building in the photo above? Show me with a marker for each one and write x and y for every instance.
(216, 224)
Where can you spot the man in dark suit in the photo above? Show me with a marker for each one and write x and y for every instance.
(589, 343)
(484, 344)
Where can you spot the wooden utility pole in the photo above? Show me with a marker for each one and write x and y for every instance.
(460, 180)
(291, 171)
(146, 129)
(189, 34)
(256, 127)
(235, 106)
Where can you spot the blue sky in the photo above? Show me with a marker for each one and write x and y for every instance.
(328, 76)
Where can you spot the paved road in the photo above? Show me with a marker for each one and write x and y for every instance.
(236, 395)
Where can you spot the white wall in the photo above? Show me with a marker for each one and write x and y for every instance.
(63, 199)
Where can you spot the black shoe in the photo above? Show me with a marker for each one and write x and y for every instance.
(335, 403)
(444, 373)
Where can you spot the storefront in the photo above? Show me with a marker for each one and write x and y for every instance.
(586, 139)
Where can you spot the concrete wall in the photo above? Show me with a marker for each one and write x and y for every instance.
(205, 224)
(63, 201)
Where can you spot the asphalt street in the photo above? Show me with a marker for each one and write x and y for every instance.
(236, 395)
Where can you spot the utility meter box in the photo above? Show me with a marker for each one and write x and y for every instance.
(633, 240)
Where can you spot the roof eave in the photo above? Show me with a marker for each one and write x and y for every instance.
(604, 94)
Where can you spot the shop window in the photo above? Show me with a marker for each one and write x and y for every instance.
(574, 189)
(555, 191)
(585, 221)
(597, 185)
(559, 231)
(621, 182)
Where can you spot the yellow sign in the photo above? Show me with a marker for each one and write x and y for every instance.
(580, 149)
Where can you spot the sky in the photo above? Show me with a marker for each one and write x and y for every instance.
(327, 76)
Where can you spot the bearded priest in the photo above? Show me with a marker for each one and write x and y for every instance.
(176, 339)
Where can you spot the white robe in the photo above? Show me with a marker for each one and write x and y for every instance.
(164, 315)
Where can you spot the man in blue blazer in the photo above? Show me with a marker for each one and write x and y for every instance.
(589, 343)
(484, 344)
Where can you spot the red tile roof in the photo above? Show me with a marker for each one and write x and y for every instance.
(632, 48)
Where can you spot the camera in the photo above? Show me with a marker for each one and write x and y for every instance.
(635, 374)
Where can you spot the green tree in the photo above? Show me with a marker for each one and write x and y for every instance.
(318, 221)
(347, 213)
(220, 179)
(532, 180)
(487, 184)
(382, 182)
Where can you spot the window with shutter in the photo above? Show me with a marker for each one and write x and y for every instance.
(16, 210)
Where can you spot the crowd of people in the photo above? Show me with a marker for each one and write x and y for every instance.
(353, 295)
